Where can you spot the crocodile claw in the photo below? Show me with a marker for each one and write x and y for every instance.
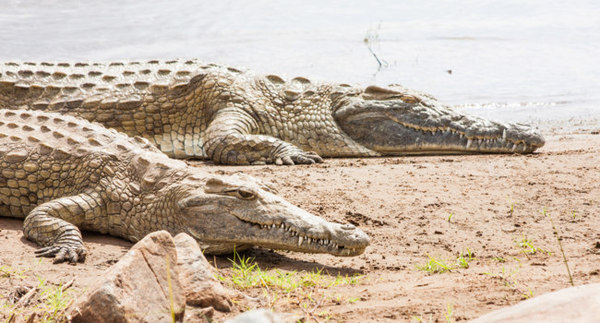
(299, 157)
(62, 253)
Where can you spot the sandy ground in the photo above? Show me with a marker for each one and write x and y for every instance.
(412, 208)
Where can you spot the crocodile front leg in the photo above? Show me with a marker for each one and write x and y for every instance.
(54, 226)
(231, 139)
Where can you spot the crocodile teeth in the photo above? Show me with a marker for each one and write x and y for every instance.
(503, 134)
(514, 147)
(469, 142)
(300, 239)
(273, 226)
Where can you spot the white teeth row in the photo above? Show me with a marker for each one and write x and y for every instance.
(462, 135)
(440, 131)
(489, 142)
(301, 238)
(478, 142)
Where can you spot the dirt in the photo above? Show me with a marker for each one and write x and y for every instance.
(413, 208)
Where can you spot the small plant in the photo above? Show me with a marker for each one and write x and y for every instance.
(54, 301)
(528, 294)
(463, 259)
(325, 315)
(8, 272)
(511, 209)
(499, 259)
(449, 313)
(527, 247)
(353, 300)
(435, 266)
(420, 319)
(449, 219)
(440, 266)
(305, 288)
(507, 276)
(48, 301)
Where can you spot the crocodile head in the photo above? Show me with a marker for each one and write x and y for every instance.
(240, 212)
(397, 121)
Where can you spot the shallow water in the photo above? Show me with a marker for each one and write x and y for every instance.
(535, 61)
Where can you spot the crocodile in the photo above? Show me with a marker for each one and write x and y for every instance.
(63, 174)
(205, 111)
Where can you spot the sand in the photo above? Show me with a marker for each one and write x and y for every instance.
(413, 208)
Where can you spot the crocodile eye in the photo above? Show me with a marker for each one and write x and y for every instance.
(245, 193)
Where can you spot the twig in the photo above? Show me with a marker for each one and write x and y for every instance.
(67, 285)
(310, 313)
(375, 55)
(171, 305)
(560, 246)
(25, 299)
(31, 318)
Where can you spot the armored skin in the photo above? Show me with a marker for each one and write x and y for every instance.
(193, 110)
(64, 174)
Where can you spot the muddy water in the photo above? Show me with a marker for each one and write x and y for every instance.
(510, 60)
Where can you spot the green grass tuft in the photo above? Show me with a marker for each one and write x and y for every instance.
(527, 247)
(305, 289)
(440, 266)
(435, 266)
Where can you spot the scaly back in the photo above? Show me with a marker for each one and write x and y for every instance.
(45, 156)
(52, 86)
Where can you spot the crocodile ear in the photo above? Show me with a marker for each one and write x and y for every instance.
(216, 185)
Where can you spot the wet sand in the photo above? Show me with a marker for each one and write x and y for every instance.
(404, 204)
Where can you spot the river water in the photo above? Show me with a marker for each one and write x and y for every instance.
(534, 61)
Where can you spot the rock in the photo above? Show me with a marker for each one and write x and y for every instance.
(197, 277)
(574, 304)
(266, 316)
(136, 288)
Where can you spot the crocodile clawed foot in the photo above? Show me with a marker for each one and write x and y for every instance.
(62, 253)
(299, 157)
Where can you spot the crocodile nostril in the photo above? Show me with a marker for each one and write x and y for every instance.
(348, 227)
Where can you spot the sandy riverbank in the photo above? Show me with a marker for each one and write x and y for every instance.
(404, 204)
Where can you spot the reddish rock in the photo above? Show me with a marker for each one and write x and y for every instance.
(197, 277)
(136, 288)
(575, 304)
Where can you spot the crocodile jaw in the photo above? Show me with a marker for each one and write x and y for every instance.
(394, 127)
(222, 223)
